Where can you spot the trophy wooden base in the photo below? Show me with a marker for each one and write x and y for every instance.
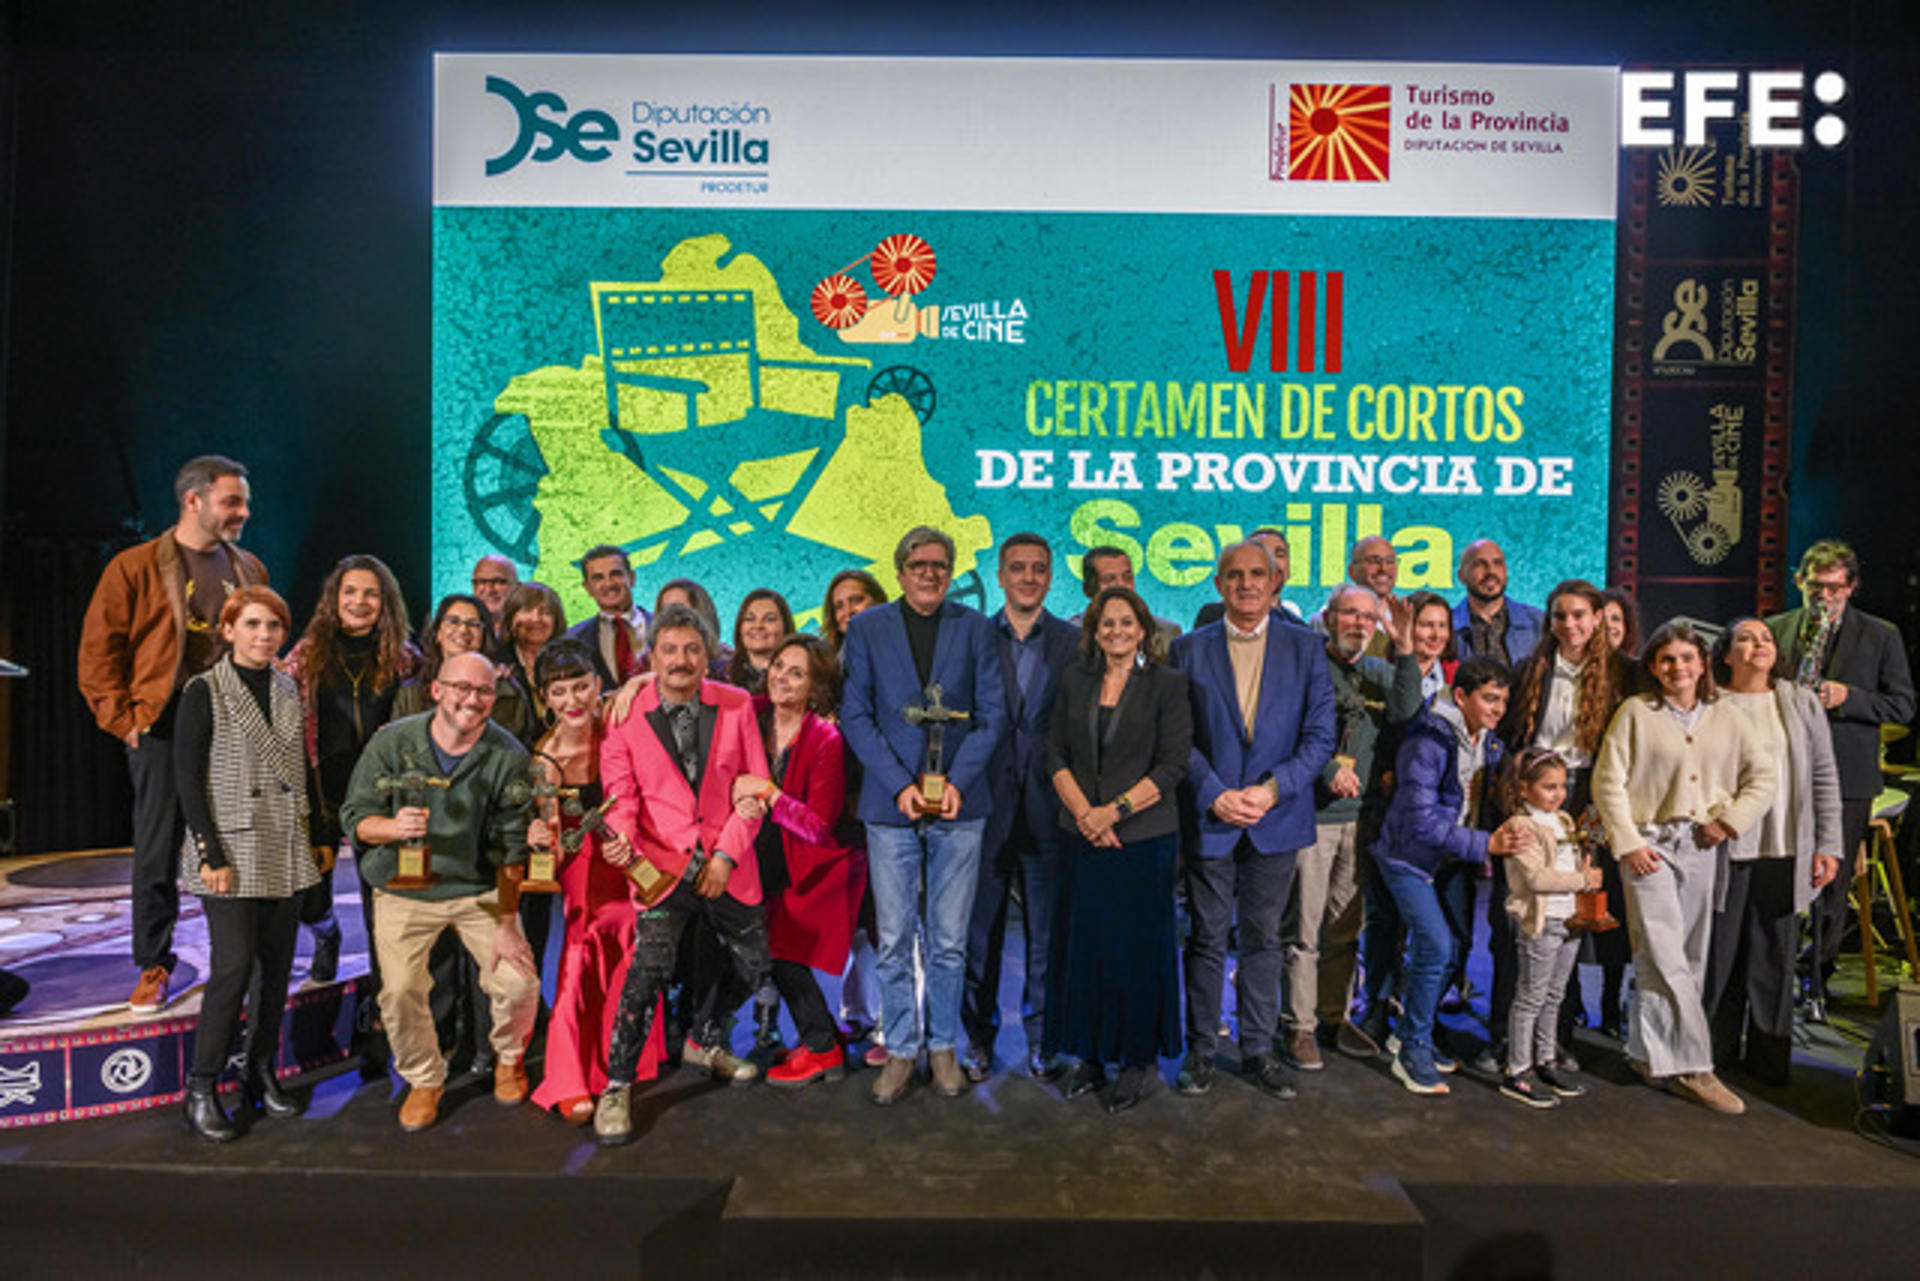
(1590, 915)
(542, 874)
(932, 798)
(650, 884)
(415, 871)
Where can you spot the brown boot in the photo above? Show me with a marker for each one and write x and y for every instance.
(947, 1076)
(896, 1078)
(510, 1084)
(421, 1108)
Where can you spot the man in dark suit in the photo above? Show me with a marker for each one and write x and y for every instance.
(896, 654)
(617, 633)
(1859, 669)
(1021, 845)
(1263, 728)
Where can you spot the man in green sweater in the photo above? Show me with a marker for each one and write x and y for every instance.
(1321, 930)
(456, 782)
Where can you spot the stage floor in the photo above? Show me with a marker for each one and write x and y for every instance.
(1355, 1177)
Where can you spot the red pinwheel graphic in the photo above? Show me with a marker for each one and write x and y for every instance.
(1338, 133)
(903, 264)
(839, 301)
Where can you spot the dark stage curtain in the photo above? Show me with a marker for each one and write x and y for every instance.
(69, 779)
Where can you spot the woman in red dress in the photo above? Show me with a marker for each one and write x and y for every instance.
(598, 896)
(812, 875)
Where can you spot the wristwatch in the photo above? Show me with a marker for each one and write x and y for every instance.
(1123, 807)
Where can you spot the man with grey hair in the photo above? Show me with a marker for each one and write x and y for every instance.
(1263, 728)
(1375, 566)
(494, 578)
(152, 624)
(924, 711)
(1322, 927)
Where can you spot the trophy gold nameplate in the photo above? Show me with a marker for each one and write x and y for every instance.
(415, 867)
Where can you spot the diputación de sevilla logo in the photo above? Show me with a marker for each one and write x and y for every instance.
(1338, 133)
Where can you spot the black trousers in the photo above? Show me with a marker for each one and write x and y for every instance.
(800, 989)
(316, 907)
(1749, 993)
(1835, 902)
(157, 829)
(252, 942)
(741, 932)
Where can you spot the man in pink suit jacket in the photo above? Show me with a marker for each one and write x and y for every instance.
(670, 769)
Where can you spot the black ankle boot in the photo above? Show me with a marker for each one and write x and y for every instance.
(262, 1093)
(205, 1117)
(766, 1028)
(325, 965)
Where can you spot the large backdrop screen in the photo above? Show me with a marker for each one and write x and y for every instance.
(751, 319)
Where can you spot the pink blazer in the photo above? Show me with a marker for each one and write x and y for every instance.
(656, 808)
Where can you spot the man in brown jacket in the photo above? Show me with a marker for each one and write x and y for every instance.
(152, 624)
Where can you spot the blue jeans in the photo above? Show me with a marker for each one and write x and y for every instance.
(949, 856)
(1430, 949)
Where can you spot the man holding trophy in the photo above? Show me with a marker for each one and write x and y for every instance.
(924, 710)
(438, 807)
(669, 769)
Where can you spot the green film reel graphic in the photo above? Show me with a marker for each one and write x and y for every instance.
(501, 477)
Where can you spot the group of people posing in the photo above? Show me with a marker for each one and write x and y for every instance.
(722, 824)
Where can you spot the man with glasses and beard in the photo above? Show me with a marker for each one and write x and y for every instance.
(453, 779)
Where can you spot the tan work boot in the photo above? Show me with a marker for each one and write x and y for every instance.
(420, 1109)
(510, 1086)
(1303, 1050)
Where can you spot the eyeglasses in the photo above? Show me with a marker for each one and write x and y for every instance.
(461, 689)
(481, 583)
(927, 568)
(1829, 587)
(464, 624)
(1379, 560)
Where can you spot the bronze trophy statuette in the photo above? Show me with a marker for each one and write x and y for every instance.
(1590, 915)
(936, 716)
(415, 870)
(543, 863)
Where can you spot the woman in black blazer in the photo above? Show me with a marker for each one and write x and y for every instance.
(1116, 751)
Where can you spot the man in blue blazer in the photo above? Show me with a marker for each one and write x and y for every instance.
(895, 653)
(1263, 728)
(1488, 621)
(1022, 843)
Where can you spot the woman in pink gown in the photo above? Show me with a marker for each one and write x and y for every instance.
(598, 897)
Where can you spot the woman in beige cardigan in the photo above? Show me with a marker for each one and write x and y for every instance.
(1678, 776)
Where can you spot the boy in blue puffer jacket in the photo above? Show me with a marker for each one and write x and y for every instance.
(1445, 768)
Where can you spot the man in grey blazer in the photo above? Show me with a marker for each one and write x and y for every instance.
(1862, 679)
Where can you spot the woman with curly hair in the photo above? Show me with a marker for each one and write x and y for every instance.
(349, 666)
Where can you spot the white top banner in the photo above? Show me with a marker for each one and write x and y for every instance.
(1447, 140)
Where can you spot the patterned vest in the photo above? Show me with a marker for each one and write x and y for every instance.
(256, 789)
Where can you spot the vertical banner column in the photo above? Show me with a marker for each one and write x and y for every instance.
(1704, 348)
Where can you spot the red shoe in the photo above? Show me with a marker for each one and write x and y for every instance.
(804, 1067)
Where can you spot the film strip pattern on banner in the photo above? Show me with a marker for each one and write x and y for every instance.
(1704, 353)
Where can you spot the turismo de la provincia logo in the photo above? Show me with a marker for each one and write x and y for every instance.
(694, 139)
